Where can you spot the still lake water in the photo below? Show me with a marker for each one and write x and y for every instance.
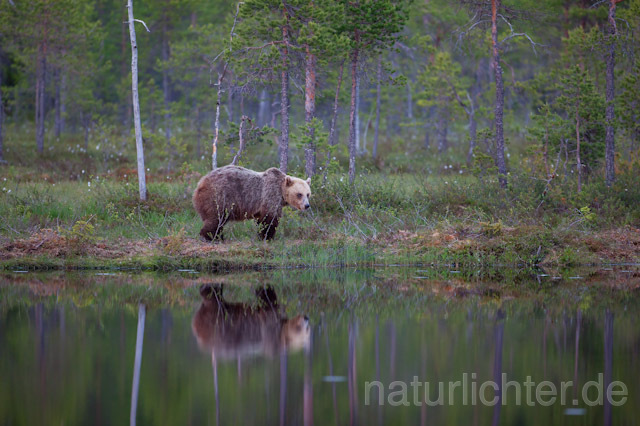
(246, 355)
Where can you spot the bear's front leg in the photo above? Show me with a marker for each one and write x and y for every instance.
(267, 226)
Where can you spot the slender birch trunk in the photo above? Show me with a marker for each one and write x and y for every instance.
(610, 152)
(376, 131)
(216, 131)
(499, 107)
(142, 182)
(241, 143)
(310, 112)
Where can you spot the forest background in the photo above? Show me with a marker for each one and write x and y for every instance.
(432, 130)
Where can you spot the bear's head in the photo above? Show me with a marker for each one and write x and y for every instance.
(296, 333)
(296, 192)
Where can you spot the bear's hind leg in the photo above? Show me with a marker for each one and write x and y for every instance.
(267, 227)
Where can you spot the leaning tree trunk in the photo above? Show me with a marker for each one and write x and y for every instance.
(309, 112)
(499, 107)
(352, 115)
(376, 130)
(284, 102)
(610, 171)
(142, 182)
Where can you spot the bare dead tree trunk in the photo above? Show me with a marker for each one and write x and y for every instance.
(310, 112)
(216, 129)
(353, 114)
(376, 131)
(142, 181)
(242, 142)
(284, 101)
(499, 107)
(610, 152)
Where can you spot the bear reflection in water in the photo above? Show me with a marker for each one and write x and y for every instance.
(238, 330)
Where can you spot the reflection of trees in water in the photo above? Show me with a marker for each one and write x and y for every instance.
(85, 350)
(498, 337)
(608, 363)
(135, 386)
(352, 373)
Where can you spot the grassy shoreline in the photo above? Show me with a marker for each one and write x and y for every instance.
(98, 222)
(52, 251)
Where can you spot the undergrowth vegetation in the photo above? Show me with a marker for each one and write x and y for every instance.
(60, 206)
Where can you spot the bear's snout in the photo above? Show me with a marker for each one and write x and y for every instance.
(306, 206)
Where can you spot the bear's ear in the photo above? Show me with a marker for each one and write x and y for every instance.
(288, 181)
(308, 181)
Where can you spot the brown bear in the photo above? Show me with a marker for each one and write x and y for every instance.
(235, 193)
(238, 330)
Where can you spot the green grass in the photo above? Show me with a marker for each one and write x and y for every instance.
(416, 213)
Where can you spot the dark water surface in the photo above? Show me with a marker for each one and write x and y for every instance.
(246, 355)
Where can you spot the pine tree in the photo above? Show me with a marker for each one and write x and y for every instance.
(372, 26)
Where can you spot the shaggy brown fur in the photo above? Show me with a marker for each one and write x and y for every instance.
(236, 330)
(235, 193)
